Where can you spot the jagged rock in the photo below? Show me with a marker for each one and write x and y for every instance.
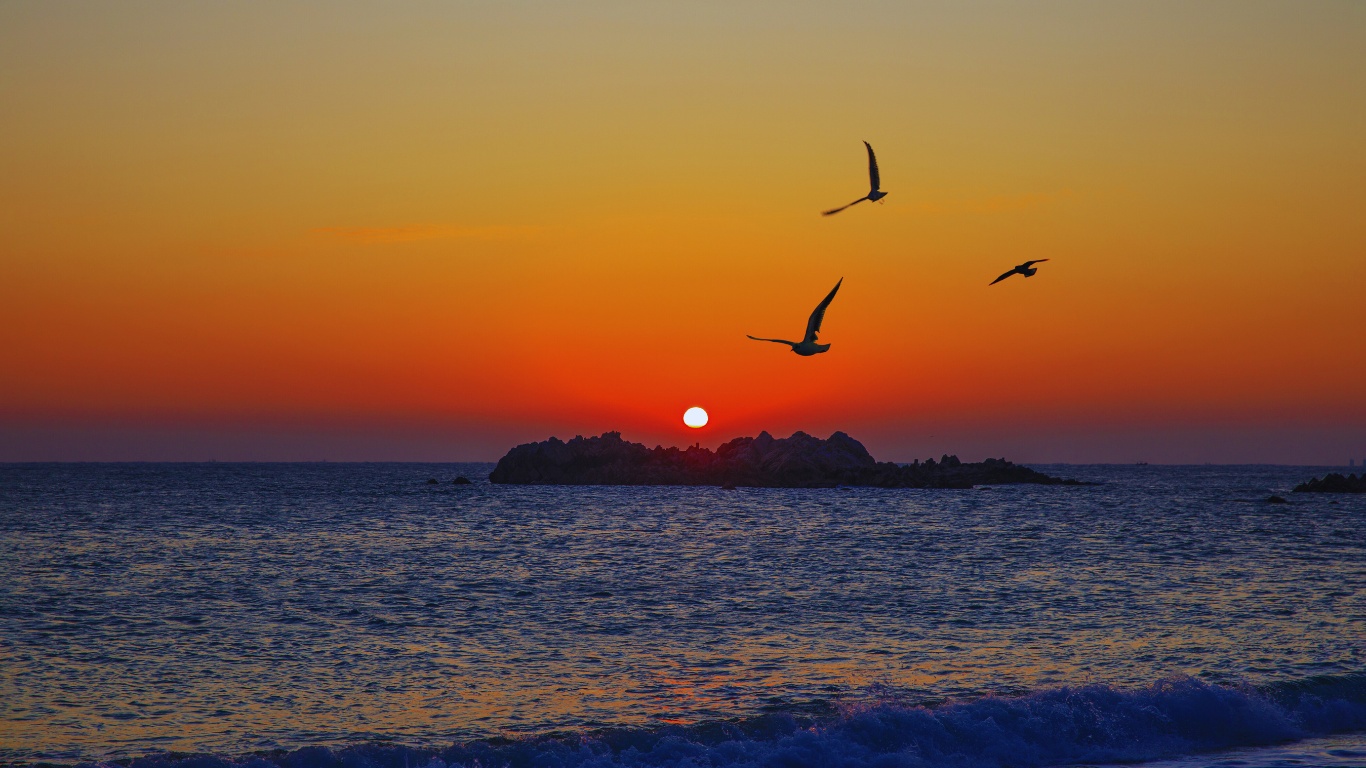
(799, 461)
(1334, 483)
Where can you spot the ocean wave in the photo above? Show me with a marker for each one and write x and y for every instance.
(1069, 725)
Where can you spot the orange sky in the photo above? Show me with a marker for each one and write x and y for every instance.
(288, 231)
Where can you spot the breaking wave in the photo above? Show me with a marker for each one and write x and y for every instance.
(1088, 724)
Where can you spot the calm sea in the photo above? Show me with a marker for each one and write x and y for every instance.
(352, 614)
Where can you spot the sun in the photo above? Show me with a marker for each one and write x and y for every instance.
(695, 417)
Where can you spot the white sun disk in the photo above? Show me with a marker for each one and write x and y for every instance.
(695, 417)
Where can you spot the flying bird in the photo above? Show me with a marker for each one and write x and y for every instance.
(1027, 269)
(874, 181)
(808, 346)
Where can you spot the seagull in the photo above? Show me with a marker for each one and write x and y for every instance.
(808, 346)
(873, 180)
(1027, 269)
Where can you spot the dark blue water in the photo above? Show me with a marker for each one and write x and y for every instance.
(353, 614)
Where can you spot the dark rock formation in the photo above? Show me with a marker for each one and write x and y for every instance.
(1273, 499)
(800, 461)
(462, 480)
(1334, 483)
(431, 481)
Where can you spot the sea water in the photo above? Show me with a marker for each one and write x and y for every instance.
(353, 614)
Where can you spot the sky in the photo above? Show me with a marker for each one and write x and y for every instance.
(432, 231)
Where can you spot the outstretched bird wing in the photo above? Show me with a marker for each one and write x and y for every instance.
(775, 341)
(813, 325)
(873, 177)
(1002, 277)
(842, 207)
(1029, 264)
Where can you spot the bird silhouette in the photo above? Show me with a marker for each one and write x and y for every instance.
(808, 346)
(874, 181)
(1027, 269)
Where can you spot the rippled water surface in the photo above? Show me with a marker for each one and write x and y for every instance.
(1339, 752)
(230, 608)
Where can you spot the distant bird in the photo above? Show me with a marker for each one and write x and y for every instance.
(808, 346)
(1027, 269)
(874, 181)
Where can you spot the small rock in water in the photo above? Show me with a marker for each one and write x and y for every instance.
(431, 481)
(462, 480)
(1276, 500)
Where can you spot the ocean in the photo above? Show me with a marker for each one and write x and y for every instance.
(312, 615)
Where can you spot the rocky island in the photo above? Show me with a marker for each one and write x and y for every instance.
(1334, 483)
(799, 461)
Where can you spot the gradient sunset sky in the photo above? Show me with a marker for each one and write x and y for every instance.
(352, 230)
